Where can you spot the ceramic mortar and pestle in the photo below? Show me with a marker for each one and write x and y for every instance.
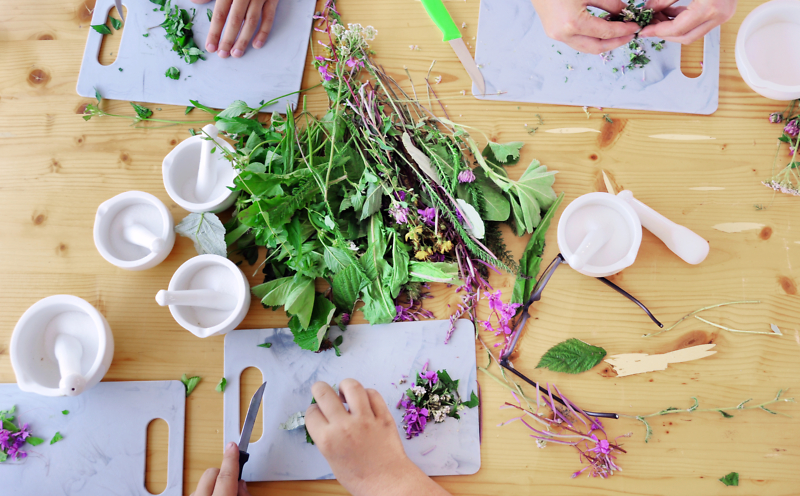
(208, 295)
(197, 179)
(61, 346)
(134, 230)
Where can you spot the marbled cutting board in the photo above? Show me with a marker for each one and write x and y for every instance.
(521, 62)
(105, 436)
(377, 356)
(261, 74)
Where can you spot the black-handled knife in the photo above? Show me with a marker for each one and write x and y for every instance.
(249, 421)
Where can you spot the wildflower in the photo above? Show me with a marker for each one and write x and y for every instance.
(352, 246)
(428, 215)
(414, 233)
(353, 62)
(418, 390)
(437, 79)
(776, 118)
(422, 254)
(436, 257)
(601, 447)
(326, 75)
(430, 376)
(785, 188)
(345, 318)
(401, 195)
(337, 30)
(541, 444)
(445, 246)
(792, 129)
(399, 213)
(466, 176)
(413, 47)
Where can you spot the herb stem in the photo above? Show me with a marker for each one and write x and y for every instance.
(692, 314)
(732, 330)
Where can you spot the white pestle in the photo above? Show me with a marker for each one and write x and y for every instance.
(68, 351)
(206, 173)
(595, 239)
(681, 240)
(207, 298)
(141, 236)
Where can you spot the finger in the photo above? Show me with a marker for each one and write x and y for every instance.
(356, 397)
(314, 417)
(328, 401)
(694, 34)
(610, 6)
(221, 9)
(673, 11)
(681, 25)
(243, 489)
(659, 5)
(267, 19)
(232, 26)
(587, 44)
(598, 28)
(228, 479)
(248, 27)
(378, 405)
(206, 484)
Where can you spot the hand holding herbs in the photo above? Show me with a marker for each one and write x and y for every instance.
(240, 19)
(362, 445)
(687, 24)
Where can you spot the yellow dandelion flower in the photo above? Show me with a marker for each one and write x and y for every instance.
(422, 255)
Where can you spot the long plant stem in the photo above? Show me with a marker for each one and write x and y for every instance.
(692, 314)
(733, 330)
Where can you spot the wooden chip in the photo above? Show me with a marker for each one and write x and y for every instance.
(639, 363)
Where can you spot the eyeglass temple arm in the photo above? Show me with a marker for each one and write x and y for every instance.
(506, 365)
(630, 297)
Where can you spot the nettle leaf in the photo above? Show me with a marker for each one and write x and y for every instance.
(206, 231)
(497, 205)
(310, 337)
(101, 28)
(189, 383)
(347, 284)
(141, 111)
(294, 234)
(473, 401)
(275, 292)
(572, 356)
(732, 479)
(173, 73)
(336, 259)
(507, 153)
(56, 438)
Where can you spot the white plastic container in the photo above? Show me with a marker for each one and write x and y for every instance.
(134, 230)
(768, 51)
(61, 346)
(197, 179)
(208, 295)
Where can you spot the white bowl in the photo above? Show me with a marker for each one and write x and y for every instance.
(133, 207)
(33, 343)
(768, 51)
(180, 169)
(218, 274)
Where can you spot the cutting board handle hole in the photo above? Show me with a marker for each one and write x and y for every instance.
(692, 59)
(157, 456)
(250, 380)
(109, 47)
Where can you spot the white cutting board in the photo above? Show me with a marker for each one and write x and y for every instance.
(261, 74)
(376, 356)
(105, 433)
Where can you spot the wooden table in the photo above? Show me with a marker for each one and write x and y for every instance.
(55, 169)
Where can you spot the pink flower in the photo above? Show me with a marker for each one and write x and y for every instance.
(326, 75)
(466, 176)
(354, 63)
(776, 117)
(428, 215)
(399, 213)
(792, 129)
(430, 375)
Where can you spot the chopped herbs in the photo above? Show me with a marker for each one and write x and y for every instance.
(120, 69)
(572, 356)
(637, 56)
(34, 441)
(658, 45)
(190, 383)
(634, 12)
(265, 345)
(608, 119)
(732, 479)
(141, 112)
(56, 438)
(97, 96)
(146, 35)
(173, 73)
(210, 14)
(115, 23)
(221, 386)
(64, 412)
(101, 28)
(188, 109)
(178, 26)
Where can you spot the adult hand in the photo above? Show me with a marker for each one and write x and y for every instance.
(223, 481)
(687, 24)
(241, 17)
(569, 21)
(362, 445)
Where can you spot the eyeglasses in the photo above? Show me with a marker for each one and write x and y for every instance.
(536, 295)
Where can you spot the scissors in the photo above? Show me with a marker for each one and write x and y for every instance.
(249, 421)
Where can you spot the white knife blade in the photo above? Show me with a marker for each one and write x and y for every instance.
(469, 64)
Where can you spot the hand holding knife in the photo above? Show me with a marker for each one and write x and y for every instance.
(247, 430)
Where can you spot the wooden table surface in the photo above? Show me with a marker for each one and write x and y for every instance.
(55, 169)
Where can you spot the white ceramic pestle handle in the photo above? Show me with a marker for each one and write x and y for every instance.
(685, 243)
(68, 351)
(140, 235)
(206, 175)
(207, 298)
(595, 239)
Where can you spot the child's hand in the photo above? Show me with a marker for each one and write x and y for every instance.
(363, 446)
(569, 21)
(223, 481)
(687, 24)
(242, 19)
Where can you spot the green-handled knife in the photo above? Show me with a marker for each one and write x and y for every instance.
(438, 12)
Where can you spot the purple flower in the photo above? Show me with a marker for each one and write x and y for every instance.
(436, 257)
(353, 62)
(776, 117)
(345, 318)
(399, 213)
(414, 419)
(430, 375)
(792, 129)
(4, 439)
(601, 447)
(326, 75)
(403, 314)
(401, 195)
(466, 176)
(428, 215)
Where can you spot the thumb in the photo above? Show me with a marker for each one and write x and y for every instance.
(228, 478)
(243, 489)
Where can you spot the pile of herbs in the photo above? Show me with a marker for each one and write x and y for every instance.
(378, 198)
(787, 180)
(178, 24)
(13, 437)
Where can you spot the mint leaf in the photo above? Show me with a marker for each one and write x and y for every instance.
(56, 438)
(101, 28)
(473, 401)
(532, 257)
(173, 73)
(732, 479)
(505, 153)
(572, 356)
(141, 112)
(310, 338)
(116, 23)
(265, 345)
(190, 383)
(34, 441)
(64, 412)
(221, 386)
(206, 231)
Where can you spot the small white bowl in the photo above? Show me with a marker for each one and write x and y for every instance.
(133, 208)
(768, 52)
(601, 209)
(218, 274)
(180, 170)
(33, 342)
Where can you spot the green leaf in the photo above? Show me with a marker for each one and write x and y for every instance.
(64, 412)
(375, 237)
(190, 383)
(98, 96)
(265, 345)
(505, 153)
(206, 231)
(142, 112)
(173, 73)
(725, 414)
(203, 107)
(101, 28)
(473, 401)
(3, 456)
(347, 284)
(210, 14)
(732, 479)
(372, 202)
(532, 257)
(188, 109)
(275, 292)
(9, 425)
(572, 356)
(336, 343)
(446, 272)
(400, 260)
(235, 109)
(535, 192)
(56, 438)
(116, 23)
(299, 302)
(497, 205)
(221, 386)
(310, 338)
(378, 303)
(34, 441)
(8, 414)
(336, 259)
(294, 234)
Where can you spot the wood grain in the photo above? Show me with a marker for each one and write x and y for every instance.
(55, 169)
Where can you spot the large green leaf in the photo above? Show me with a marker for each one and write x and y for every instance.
(434, 272)
(372, 202)
(503, 153)
(496, 204)
(346, 287)
(206, 231)
(375, 236)
(300, 300)
(535, 192)
(336, 259)
(572, 356)
(294, 234)
(378, 303)
(400, 261)
(274, 293)
(310, 337)
(235, 109)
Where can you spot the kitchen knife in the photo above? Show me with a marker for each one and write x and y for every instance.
(249, 421)
(438, 12)
(119, 9)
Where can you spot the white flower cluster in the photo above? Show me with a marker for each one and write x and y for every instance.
(418, 390)
(354, 34)
(439, 415)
